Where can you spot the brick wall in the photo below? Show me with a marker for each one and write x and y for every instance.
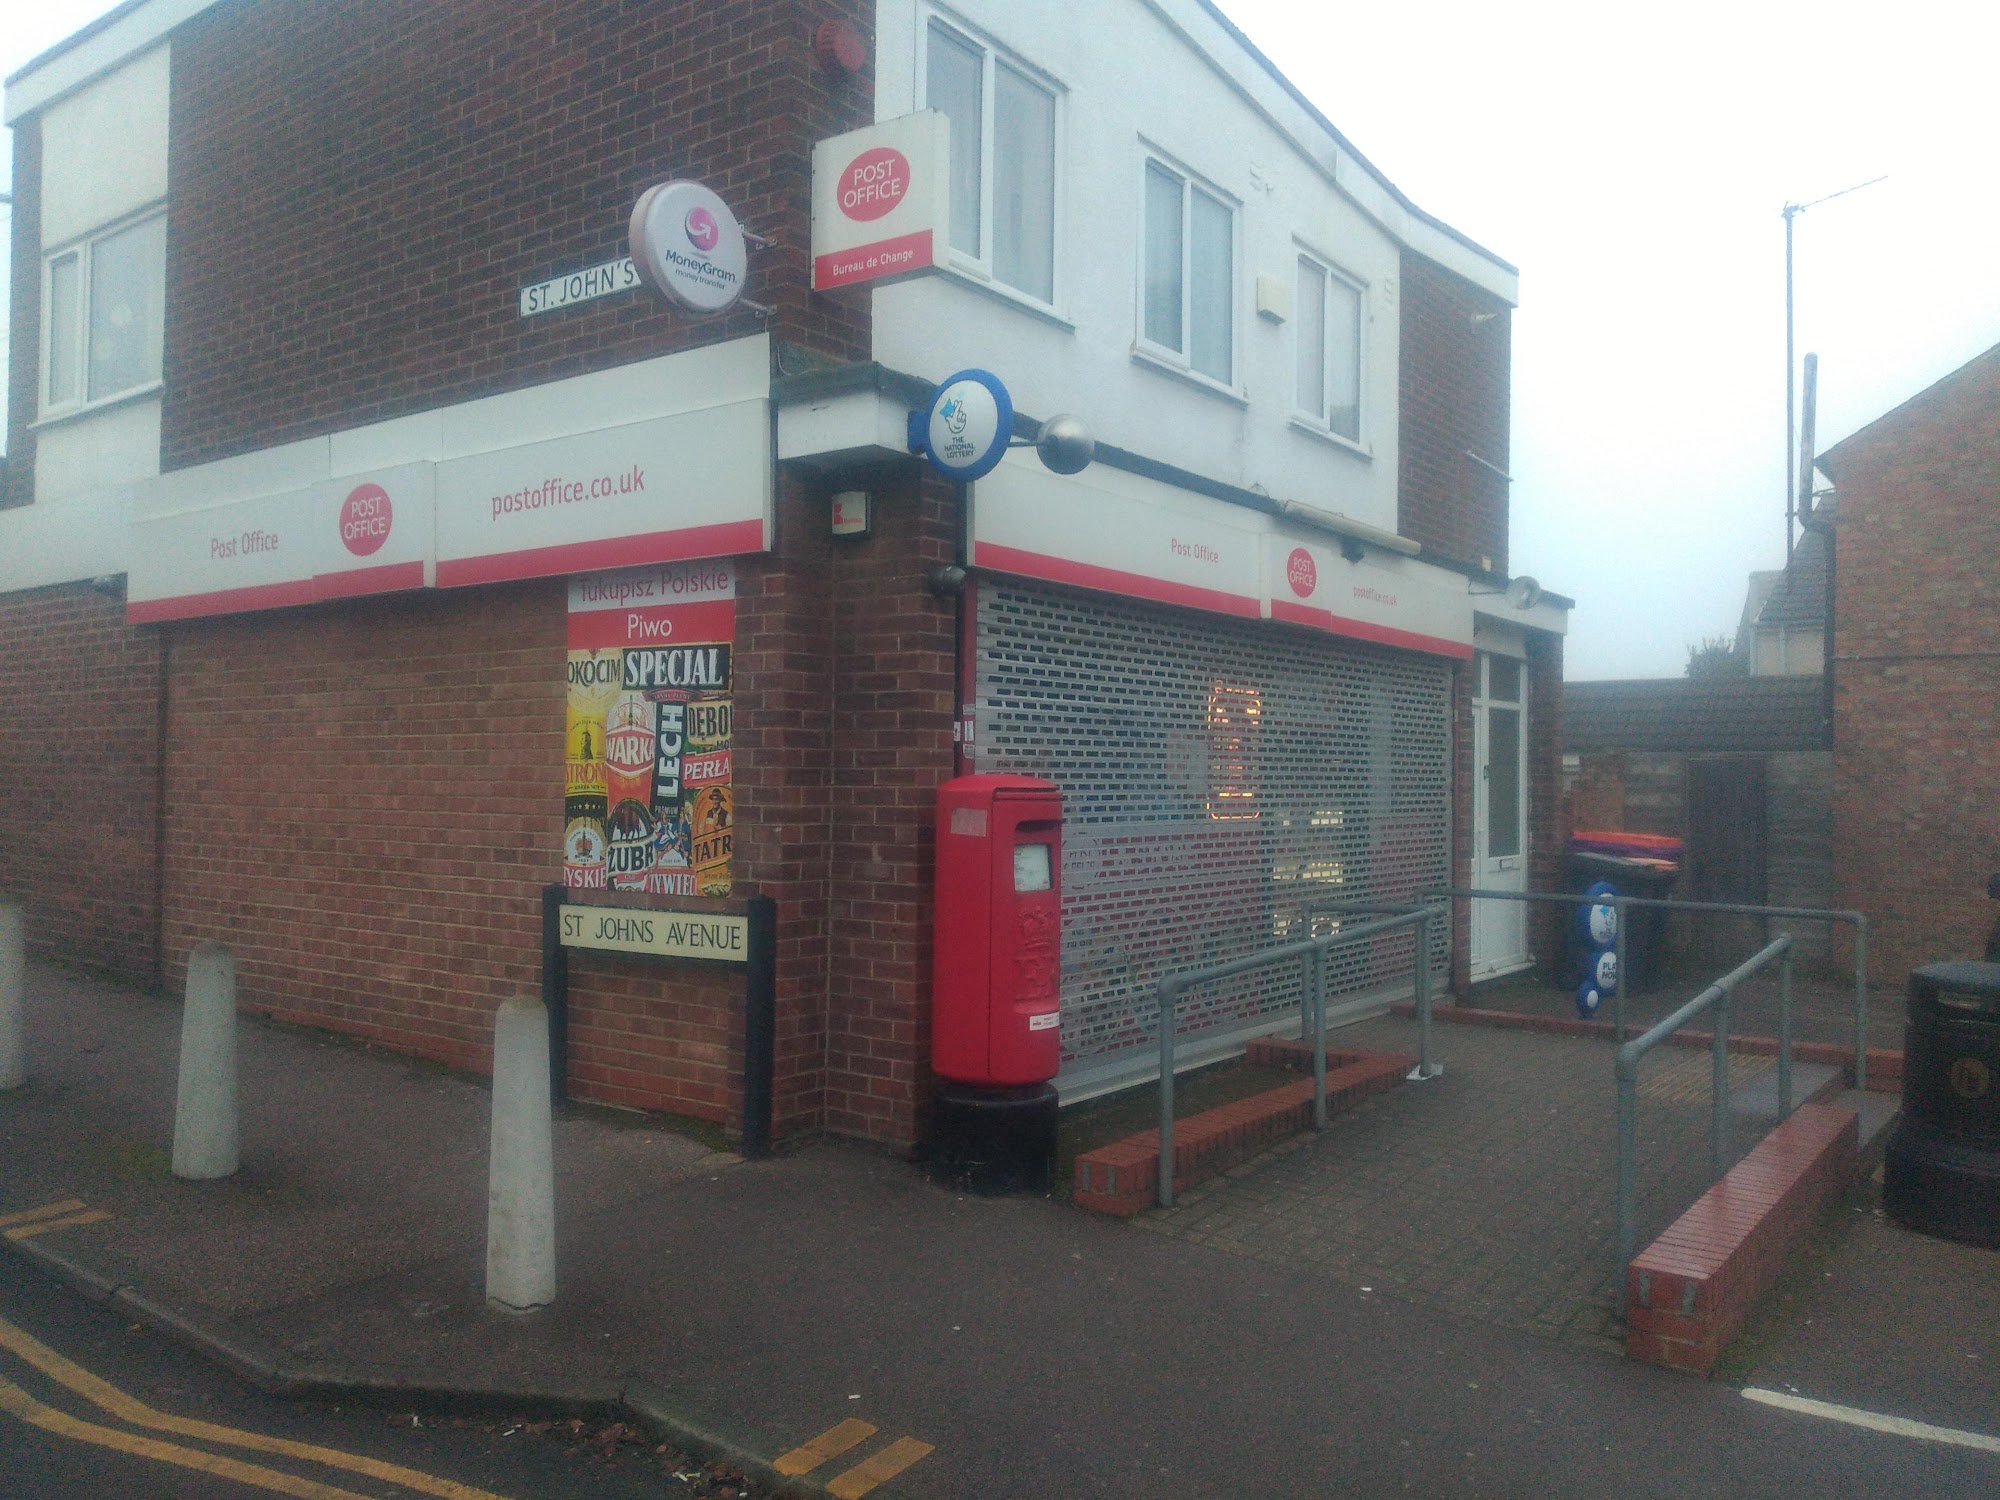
(1454, 397)
(362, 187)
(1917, 672)
(79, 777)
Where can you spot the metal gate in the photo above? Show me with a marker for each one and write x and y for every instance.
(1219, 777)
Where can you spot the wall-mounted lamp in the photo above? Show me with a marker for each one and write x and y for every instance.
(946, 580)
(1520, 593)
(1346, 528)
(1352, 550)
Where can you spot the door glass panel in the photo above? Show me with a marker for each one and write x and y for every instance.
(1503, 781)
(1503, 680)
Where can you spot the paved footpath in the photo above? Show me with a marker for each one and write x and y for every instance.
(988, 1347)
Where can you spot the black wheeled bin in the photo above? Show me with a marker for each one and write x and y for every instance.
(1942, 1173)
(1645, 941)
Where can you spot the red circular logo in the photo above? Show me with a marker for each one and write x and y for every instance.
(702, 230)
(874, 183)
(1300, 573)
(365, 519)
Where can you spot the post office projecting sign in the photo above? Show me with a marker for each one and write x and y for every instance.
(881, 201)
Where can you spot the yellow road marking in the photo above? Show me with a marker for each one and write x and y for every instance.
(879, 1468)
(66, 1372)
(46, 1211)
(832, 1443)
(17, 1401)
(67, 1221)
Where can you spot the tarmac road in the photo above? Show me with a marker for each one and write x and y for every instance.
(95, 1453)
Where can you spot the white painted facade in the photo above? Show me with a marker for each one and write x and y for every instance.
(1210, 111)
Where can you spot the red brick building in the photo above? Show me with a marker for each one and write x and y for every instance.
(337, 413)
(1916, 670)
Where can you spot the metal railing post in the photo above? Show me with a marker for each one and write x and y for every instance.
(1860, 1002)
(1622, 915)
(1167, 997)
(1319, 1037)
(1426, 1068)
(1628, 1166)
(1718, 1108)
(1785, 1035)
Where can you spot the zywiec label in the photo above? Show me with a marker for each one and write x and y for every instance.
(629, 847)
(714, 840)
(629, 739)
(584, 849)
(693, 668)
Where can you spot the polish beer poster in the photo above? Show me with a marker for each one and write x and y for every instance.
(648, 800)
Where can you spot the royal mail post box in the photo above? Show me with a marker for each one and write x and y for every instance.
(995, 974)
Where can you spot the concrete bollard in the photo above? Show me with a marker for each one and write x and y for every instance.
(205, 1113)
(521, 1175)
(13, 996)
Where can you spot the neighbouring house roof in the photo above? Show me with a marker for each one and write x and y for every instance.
(1983, 368)
(1696, 715)
(1798, 600)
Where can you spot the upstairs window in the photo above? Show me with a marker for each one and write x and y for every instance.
(102, 315)
(1003, 161)
(1187, 313)
(1328, 328)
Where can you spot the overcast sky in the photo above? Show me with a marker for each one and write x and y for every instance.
(1634, 164)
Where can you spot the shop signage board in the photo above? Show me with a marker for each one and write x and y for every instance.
(359, 534)
(1391, 600)
(1117, 533)
(967, 426)
(881, 201)
(649, 758)
(695, 484)
(687, 246)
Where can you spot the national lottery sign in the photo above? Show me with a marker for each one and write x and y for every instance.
(649, 798)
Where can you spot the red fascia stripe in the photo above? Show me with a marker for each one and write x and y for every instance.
(604, 629)
(724, 540)
(384, 578)
(1111, 580)
(906, 252)
(1362, 630)
(220, 602)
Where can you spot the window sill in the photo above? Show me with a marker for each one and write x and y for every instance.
(93, 408)
(1346, 445)
(1152, 361)
(1001, 292)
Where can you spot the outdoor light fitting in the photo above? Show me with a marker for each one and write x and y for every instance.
(1343, 526)
(1521, 592)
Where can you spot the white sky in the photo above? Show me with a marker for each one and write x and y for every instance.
(1633, 163)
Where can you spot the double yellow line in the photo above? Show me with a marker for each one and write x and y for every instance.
(108, 1397)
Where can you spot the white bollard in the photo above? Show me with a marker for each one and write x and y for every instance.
(13, 996)
(205, 1113)
(521, 1176)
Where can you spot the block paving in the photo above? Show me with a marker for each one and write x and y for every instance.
(1489, 1192)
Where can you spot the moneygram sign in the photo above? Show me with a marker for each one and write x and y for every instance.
(881, 201)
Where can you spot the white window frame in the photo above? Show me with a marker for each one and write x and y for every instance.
(978, 267)
(1318, 422)
(1180, 361)
(82, 248)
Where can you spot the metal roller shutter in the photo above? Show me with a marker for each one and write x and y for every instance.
(1218, 777)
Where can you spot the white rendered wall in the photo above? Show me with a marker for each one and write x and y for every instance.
(104, 150)
(1140, 75)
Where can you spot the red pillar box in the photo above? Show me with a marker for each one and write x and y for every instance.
(996, 994)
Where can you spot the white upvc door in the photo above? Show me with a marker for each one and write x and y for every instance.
(1499, 813)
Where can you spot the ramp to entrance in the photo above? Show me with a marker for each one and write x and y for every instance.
(1489, 1192)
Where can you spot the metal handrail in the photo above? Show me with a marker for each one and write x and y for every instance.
(1627, 1070)
(1312, 1005)
(1623, 904)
